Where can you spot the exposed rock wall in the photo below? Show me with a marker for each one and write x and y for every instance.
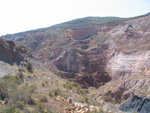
(125, 65)
(118, 91)
(15, 57)
(8, 53)
(136, 104)
(67, 61)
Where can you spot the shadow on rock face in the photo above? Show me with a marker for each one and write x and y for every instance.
(94, 80)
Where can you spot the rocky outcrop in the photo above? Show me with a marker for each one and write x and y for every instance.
(15, 57)
(120, 90)
(9, 53)
(136, 104)
(125, 65)
(67, 61)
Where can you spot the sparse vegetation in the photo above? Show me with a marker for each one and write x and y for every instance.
(70, 85)
(10, 109)
(41, 109)
(79, 23)
(55, 92)
(15, 94)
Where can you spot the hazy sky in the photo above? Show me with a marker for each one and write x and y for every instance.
(23, 15)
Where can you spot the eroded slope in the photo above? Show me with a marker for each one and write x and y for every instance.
(113, 55)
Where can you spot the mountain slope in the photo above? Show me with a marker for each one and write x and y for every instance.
(51, 43)
(113, 55)
(27, 86)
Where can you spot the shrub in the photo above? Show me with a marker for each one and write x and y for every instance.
(3, 91)
(43, 99)
(29, 67)
(71, 85)
(54, 92)
(16, 94)
(10, 109)
(22, 95)
(40, 107)
(57, 92)
(9, 82)
(50, 94)
(85, 99)
(20, 75)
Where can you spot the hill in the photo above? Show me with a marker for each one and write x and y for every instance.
(27, 86)
(73, 38)
(111, 54)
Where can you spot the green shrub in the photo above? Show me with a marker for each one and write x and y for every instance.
(55, 92)
(22, 94)
(71, 85)
(43, 99)
(9, 82)
(10, 109)
(15, 93)
(40, 107)
(3, 91)
(50, 94)
(29, 67)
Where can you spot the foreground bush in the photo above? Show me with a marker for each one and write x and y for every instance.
(15, 94)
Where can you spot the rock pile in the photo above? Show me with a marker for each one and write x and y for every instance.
(77, 107)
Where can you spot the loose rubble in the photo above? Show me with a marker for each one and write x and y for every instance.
(77, 107)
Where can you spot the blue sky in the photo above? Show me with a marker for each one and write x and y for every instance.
(22, 15)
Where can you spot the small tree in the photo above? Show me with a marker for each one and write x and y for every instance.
(29, 67)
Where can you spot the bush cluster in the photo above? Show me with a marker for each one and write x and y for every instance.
(55, 92)
(15, 94)
(70, 85)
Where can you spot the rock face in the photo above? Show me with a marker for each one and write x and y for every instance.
(128, 62)
(9, 53)
(136, 104)
(14, 57)
(126, 65)
(120, 90)
(67, 61)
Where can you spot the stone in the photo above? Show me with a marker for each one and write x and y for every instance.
(69, 100)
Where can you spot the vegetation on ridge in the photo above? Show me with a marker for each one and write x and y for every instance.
(88, 21)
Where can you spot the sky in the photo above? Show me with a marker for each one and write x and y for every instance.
(23, 15)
